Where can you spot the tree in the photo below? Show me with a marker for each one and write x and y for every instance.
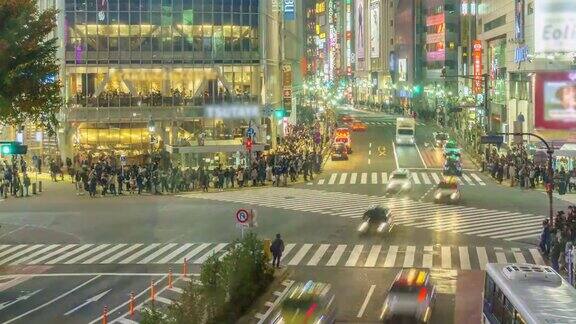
(29, 87)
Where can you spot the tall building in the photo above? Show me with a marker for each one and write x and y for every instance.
(144, 75)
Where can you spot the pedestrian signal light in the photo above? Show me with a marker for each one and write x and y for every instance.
(249, 144)
(13, 148)
(279, 113)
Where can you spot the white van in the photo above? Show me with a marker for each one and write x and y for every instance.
(405, 130)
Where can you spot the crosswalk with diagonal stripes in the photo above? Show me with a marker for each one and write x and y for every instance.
(295, 254)
(483, 222)
(380, 178)
(391, 122)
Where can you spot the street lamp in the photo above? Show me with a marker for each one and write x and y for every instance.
(152, 131)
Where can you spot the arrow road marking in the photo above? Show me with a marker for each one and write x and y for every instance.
(8, 303)
(88, 301)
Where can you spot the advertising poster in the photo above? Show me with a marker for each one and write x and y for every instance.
(519, 20)
(360, 30)
(402, 66)
(555, 22)
(375, 29)
(555, 100)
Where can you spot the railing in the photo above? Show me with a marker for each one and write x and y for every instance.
(124, 100)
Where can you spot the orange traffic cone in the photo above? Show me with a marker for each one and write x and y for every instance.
(152, 293)
(170, 278)
(105, 315)
(185, 268)
(131, 305)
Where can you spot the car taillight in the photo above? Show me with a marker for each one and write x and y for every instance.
(310, 310)
(422, 294)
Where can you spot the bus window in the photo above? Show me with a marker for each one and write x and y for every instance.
(508, 312)
(518, 318)
(489, 293)
(498, 309)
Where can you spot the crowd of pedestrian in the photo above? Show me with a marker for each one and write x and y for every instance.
(15, 179)
(558, 238)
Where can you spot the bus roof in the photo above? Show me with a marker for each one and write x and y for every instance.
(539, 294)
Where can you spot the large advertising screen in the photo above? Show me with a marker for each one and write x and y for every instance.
(360, 29)
(555, 25)
(375, 29)
(555, 100)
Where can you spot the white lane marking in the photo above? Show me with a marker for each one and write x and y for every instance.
(20, 253)
(51, 254)
(500, 256)
(321, 181)
(262, 318)
(425, 178)
(121, 253)
(174, 253)
(87, 254)
(374, 178)
(520, 237)
(409, 256)
(482, 257)
(370, 145)
(369, 152)
(384, 177)
(35, 254)
(157, 253)
(435, 177)
(464, 258)
(104, 253)
(318, 254)
(477, 178)
(124, 320)
(343, 178)
(52, 300)
(446, 257)
(336, 255)
(332, 178)
(287, 249)
(70, 253)
(363, 178)
(12, 249)
(395, 156)
(210, 253)
(163, 300)
(366, 300)
(391, 256)
(415, 178)
(300, 254)
(518, 255)
(353, 178)
(537, 257)
(468, 180)
(139, 253)
(420, 155)
(427, 257)
(373, 256)
(354, 255)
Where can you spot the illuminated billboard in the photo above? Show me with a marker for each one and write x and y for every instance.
(360, 30)
(555, 29)
(555, 100)
(375, 29)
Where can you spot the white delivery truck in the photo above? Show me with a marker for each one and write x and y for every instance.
(405, 129)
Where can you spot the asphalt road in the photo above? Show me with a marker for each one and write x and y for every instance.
(63, 257)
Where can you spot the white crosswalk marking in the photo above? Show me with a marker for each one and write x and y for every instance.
(353, 178)
(300, 254)
(174, 253)
(354, 255)
(12, 249)
(157, 253)
(482, 257)
(464, 258)
(537, 256)
(391, 256)
(51, 254)
(69, 254)
(363, 178)
(35, 254)
(384, 177)
(415, 178)
(500, 256)
(104, 253)
(121, 253)
(518, 255)
(86, 254)
(373, 256)
(428, 257)
(139, 253)
(435, 177)
(287, 249)
(343, 178)
(409, 256)
(446, 257)
(20, 253)
(321, 181)
(374, 178)
(477, 178)
(425, 178)
(468, 180)
(210, 252)
(336, 255)
(318, 254)
(332, 178)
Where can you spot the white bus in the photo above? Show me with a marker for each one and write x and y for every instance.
(527, 294)
(405, 129)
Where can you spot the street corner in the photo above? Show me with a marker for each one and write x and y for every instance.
(268, 305)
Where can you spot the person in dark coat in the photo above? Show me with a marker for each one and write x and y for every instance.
(277, 248)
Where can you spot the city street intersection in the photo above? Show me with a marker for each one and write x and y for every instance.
(65, 258)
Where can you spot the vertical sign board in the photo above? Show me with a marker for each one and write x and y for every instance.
(289, 12)
(477, 64)
(287, 87)
(375, 29)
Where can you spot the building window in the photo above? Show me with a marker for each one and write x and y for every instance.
(530, 8)
(500, 21)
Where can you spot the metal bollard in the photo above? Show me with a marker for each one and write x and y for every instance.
(39, 186)
(34, 188)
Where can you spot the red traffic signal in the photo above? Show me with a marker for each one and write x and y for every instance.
(248, 144)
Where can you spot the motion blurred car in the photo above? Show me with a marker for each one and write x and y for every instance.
(410, 298)
(309, 302)
(358, 126)
(376, 218)
(346, 118)
(447, 190)
(440, 139)
(399, 182)
(339, 152)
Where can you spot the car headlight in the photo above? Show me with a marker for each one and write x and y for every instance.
(381, 227)
(362, 227)
(438, 195)
(454, 196)
(406, 185)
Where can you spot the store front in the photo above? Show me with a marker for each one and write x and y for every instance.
(497, 83)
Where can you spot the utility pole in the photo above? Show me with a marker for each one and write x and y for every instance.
(486, 104)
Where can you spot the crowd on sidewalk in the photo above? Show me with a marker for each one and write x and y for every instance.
(558, 238)
(298, 155)
(516, 167)
(15, 179)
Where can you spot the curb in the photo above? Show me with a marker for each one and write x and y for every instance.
(279, 277)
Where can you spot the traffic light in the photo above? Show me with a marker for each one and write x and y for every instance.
(248, 144)
(443, 72)
(12, 148)
(417, 90)
(279, 113)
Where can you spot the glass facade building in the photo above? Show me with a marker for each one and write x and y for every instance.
(128, 61)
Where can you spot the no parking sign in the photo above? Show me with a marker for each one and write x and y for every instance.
(242, 216)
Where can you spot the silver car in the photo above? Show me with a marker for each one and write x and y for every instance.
(399, 182)
(410, 299)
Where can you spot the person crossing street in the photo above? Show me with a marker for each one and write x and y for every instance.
(277, 248)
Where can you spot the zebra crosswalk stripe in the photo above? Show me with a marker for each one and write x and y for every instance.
(210, 253)
(354, 256)
(121, 253)
(409, 256)
(353, 178)
(12, 249)
(103, 254)
(537, 257)
(415, 178)
(391, 256)
(384, 177)
(464, 258)
(69, 254)
(336, 255)
(427, 257)
(446, 257)
(86, 254)
(477, 178)
(332, 178)
(343, 178)
(35, 254)
(518, 255)
(318, 255)
(174, 253)
(468, 180)
(373, 256)
(300, 254)
(374, 178)
(20, 253)
(500, 256)
(140, 253)
(435, 177)
(157, 253)
(482, 257)
(363, 178)
(425, 178)
(51, 254)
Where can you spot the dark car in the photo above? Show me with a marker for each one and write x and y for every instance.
(339, 152)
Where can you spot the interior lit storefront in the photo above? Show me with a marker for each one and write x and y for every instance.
(497, 83)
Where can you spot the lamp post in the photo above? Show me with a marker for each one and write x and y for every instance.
(152, 132)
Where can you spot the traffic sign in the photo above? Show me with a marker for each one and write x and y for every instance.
(123, 160)
(492, 139)
(242, 216)
(250, 132)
